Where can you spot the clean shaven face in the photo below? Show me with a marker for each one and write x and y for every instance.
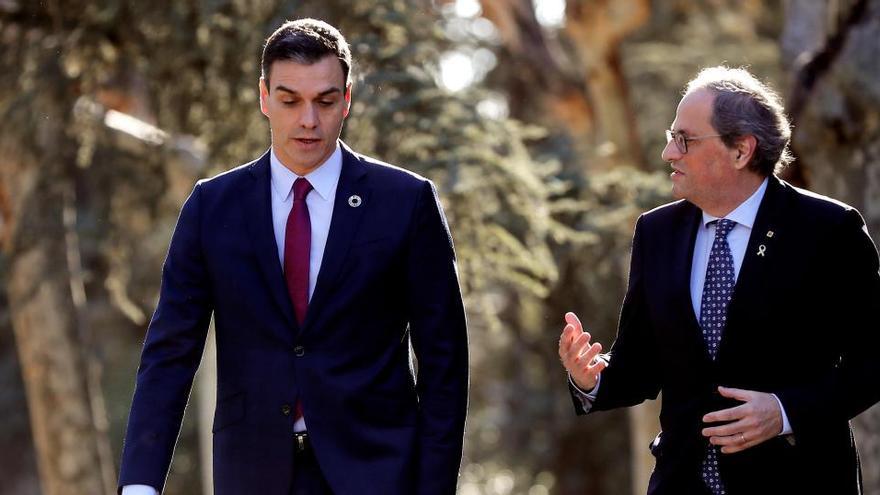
(306, 105)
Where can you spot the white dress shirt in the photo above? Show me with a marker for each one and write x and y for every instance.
(139, 490)
(324, 180)
(738, 240)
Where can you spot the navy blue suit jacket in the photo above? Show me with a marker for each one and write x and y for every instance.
(801, 324)
(388, 278)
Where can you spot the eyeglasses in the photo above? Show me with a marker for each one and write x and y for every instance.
(681, 140)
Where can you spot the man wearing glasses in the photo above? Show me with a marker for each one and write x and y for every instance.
(747, 306)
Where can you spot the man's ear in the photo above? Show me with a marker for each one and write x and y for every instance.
(745, 150)
(264, 97)
(347, 97)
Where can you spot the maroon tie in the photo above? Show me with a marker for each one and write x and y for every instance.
(297, 245)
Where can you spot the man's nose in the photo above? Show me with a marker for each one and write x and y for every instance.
(670, 152)
(309, 117)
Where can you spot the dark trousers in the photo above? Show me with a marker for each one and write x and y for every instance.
(307, 476)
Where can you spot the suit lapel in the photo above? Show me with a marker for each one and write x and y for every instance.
(257, 202)
(752, 292)
(685, 237)
(343, 226)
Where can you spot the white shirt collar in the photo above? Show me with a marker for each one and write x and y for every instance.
(745, 213)
(323, 178)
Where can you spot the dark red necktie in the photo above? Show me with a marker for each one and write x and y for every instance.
(297, 246)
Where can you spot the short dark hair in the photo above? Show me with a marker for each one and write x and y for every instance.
(746, 106)
(306, 41)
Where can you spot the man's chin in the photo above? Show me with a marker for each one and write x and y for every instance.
(677, 192)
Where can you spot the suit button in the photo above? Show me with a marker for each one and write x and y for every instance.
(299, 350)
(285, 409)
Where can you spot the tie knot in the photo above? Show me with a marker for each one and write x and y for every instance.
(723, 227)
(301, 188)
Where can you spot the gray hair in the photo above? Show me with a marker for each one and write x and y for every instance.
(745, 106)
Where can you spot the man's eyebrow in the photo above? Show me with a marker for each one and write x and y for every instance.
(326, 92)
(285, 89)
(330, 91)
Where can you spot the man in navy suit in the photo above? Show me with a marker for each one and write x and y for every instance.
(751, 305)
(321, 268)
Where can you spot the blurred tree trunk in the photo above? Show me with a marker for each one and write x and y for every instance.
(542, 82)
(644, 421)
(206, 388)
(597, 28)
(831, 48)
(581, 89)
(46, 298)
(39, 153)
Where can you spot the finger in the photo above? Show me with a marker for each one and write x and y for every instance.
(727, 429)
(585, 360)
(747, 438)
(738, 446)
(735, 439)
(589, 367)
(587, 347)
(572, 319)
(565, 339)
(600, 365)
(576, 330)
(736, 393)
(570, 358)
(730, 414)
(579, 346)
(741, 442)
(590, 355)
(733, 449)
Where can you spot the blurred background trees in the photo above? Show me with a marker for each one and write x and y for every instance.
(539, 120)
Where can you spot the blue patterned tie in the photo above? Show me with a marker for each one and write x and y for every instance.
(717, 290)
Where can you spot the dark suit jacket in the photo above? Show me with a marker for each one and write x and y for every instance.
(388, 277)
(801, 324)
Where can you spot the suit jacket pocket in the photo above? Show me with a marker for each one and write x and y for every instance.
(230, 410)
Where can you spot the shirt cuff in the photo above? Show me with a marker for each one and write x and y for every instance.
(786, 426)
(586, 398)
(139, 490)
